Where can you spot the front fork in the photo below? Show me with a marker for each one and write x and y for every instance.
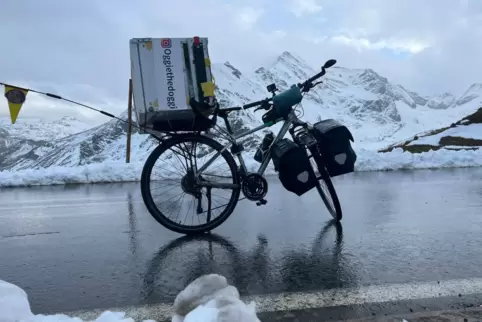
(306, 139)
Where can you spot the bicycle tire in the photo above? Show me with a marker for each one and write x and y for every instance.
(149, 201)
(334, 211)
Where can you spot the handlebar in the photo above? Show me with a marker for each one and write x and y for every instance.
(312, 79)
(257, 103)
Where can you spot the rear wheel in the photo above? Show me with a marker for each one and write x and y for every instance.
(325, 188)
(207, 208)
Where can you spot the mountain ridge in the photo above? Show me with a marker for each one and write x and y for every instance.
(374, 109)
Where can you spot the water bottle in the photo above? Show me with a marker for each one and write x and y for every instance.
(263, 147)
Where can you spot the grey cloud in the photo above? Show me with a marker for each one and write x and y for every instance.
(80, 48)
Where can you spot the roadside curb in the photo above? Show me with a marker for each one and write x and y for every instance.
(157, 312)
(161, 313)
(463, 315)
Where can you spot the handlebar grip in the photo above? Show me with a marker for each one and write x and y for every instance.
(253, 104)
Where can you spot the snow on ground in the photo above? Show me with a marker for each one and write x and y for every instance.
(209, 298)
(471, 131)
(368, 160)
(15, 307)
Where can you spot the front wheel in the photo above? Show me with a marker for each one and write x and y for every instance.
(188, 206)
(326, 190)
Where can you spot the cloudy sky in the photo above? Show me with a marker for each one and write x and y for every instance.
(79, 48)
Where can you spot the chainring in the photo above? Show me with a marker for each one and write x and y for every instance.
(254, 186)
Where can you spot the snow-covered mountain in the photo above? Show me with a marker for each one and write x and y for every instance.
(377, 111)
(18, 140)
(42, 130)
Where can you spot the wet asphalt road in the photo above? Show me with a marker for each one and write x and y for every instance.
(96, 246)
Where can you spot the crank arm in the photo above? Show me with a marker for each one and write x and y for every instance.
(208, 195)
(208, 184)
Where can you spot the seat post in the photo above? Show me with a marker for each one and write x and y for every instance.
(224, 115)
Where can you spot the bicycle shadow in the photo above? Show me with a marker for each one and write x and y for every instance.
(322, 268)
(253, 271)
(166, 276)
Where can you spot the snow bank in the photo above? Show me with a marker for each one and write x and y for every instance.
(471, 131)
(368, 160)
(93, 173)
(209, 298)
(14, 307)
(400, 160)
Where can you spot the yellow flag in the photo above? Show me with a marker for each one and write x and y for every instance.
(16, 97)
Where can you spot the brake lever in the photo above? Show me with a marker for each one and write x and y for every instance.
(265, 106)
(307, 87)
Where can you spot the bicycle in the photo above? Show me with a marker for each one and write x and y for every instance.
(326, 142)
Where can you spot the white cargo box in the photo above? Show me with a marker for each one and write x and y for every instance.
(166, 74)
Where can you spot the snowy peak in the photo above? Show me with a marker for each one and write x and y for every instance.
(418, 99)
(473, 94)
(288, 58)
(441, 101)
(372, 81)
(288, 66)
(476, 87)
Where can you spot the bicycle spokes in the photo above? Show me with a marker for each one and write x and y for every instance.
(180, 193)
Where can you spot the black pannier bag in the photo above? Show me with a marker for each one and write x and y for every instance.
(293, 166)
(334, 144)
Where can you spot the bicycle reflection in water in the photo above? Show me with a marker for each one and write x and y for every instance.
(254, 272)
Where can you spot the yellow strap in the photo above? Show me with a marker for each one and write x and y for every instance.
(208, 89)
(148, 45)
(207, 62)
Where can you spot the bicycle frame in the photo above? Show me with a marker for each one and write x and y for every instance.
(233, 137)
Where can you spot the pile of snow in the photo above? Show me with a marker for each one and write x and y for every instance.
(368, 160)
(470, 131)
(14, 307)
(209, 298)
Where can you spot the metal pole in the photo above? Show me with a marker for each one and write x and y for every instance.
(129, 124)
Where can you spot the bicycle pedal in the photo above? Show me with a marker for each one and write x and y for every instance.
(261, 202)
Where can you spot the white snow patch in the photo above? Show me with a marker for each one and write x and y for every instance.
(367, 160)
(398, 160)
(15, 307)
(471, 131)
(209, 298)
(94, 173)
